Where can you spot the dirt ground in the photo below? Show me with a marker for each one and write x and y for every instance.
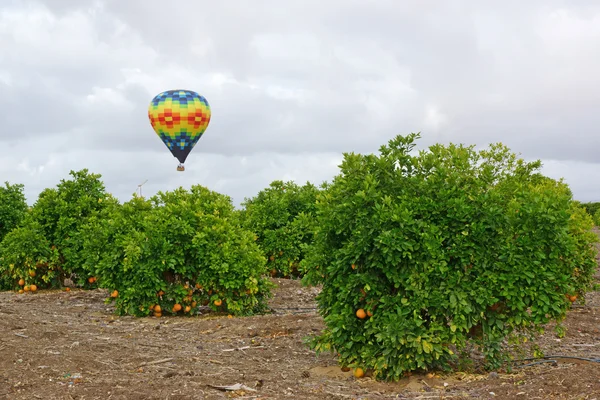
(68, 345)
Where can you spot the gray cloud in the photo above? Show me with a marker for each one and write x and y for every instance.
(292, 85)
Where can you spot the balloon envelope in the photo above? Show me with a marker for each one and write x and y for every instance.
(179, 118)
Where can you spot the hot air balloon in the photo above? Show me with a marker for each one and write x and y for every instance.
(179, 118)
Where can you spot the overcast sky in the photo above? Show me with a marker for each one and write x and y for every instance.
(292, 84)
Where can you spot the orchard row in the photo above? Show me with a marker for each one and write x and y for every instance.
(419, 254)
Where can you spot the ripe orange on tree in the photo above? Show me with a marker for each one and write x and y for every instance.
(359, 373)
(177, 307)
(360, 313)
(21, 282)
(218, 302)
(33, 288)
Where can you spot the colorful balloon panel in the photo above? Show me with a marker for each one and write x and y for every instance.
(179, 118)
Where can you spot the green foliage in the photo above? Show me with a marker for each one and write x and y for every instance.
(180, 247)
(24, 254)
(580, 256)
(445, 248)
(12, 207)
(592, 209)
(596, 218)
(48, 242)
(282, 217)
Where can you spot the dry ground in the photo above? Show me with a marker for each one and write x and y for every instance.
(68, 345)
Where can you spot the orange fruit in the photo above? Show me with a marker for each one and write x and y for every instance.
(177, 307)
(26, 288)
(161, 293)
(33, 288)
(32, 273)
(369, 313)
(187, 309)
(194, 304)
(218, 302)
(359, 373)
(360, 313)
(21, 291)
(67, 289)
(157, 314)
(21, 282)
(353, 266)
(198, 286)
(230, 316)
(157, 309)
(572, 298)
(115, 293)
(91, 279)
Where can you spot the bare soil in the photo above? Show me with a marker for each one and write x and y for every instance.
(69, 345)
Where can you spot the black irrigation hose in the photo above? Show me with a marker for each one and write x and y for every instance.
(551, 359)
(536, 363)
(293, 310)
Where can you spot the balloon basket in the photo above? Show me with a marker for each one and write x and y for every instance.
(180, 167)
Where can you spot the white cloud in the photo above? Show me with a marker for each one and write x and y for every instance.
(292, 85)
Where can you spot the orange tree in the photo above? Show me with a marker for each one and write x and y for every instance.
(422, 253)
(596, 218)
(592, 208)
(46, 248)
(13, 208)
(282, 217)
(176, 251)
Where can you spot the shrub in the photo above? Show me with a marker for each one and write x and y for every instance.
(24, 254)
(282, 217)
(596, 218)
(592, 209)
(46, 249)
(12, 207)
(177, 249)
(419, 254)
